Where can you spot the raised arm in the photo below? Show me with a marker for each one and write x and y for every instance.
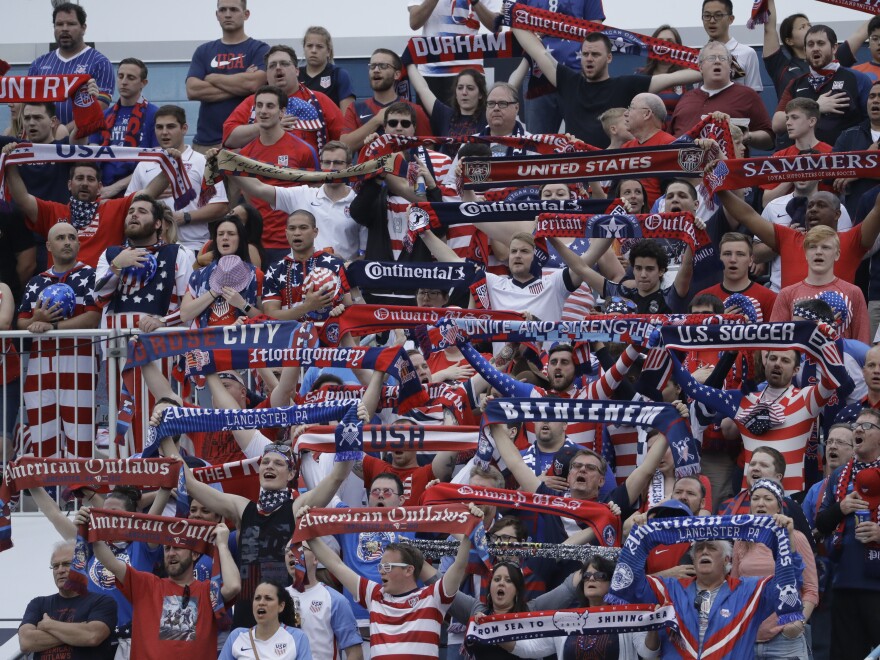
(524, 475)
(871, 226)
(746, 215)
(227, 505)
(253, 187)
(347, 577)
(223, 399)
(47, 506)
(639, 479)
(438, 247)
(541, 56)
(682, 282)
(419, 14)
(771, 35)
(662, 81)
(857, 38)
(721, 401)
(19, 192)
(578, 269)
(454, 575)
(419, 84)
(228, 568)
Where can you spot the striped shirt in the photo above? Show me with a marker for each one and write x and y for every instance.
(405, 627)
(87, 61)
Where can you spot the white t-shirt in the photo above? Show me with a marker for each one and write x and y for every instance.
(285, 644)
(190, 236)
(327, 620)
(543, 296)
(336, 229)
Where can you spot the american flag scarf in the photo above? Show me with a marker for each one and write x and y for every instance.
(308, 113)
(26, 153)
(629, 576)
(426, 439)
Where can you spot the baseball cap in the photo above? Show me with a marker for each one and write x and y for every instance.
(670, 509)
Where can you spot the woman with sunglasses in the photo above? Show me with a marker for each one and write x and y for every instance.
(274, 635)
(202, 304)
(594, 583)
(775, 641)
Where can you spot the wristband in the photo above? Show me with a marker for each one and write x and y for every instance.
(54, 325)
(187, 218)
(169, 400)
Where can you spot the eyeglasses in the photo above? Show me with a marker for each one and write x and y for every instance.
(387, 566)
(334, 163)
(717, 16)
(394, 123)
(185, 602)
(834, 442)
(864, 426)
(382, 66)
(501, 538)
(385, 492)
(589, 467)
(503, 105)
(598, 576)
(283, 63)
(60, 564)
(715, 58)
(284, 450)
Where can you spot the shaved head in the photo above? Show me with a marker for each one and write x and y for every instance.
(60, 228)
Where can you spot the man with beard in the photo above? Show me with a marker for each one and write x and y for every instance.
(311, 116)
(822, 250)
(61, 370)
(365, 117)
(855, 618)
(153, 598)
(130, 296)
(823, 208)
(99, 222)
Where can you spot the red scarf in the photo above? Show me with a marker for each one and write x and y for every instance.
(87, 113)
(133, 130)
(867, 6)
(848, 474)
(597, 516)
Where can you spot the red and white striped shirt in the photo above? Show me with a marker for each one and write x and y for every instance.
(405, 627)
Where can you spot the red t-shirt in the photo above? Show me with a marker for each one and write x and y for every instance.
(290, 151)
(414, 479)
(762, 298)
(110, 216)
(353, 121)
(790, 247)
(857, 327)
(161, 627)
(652, 186)
(242, 114)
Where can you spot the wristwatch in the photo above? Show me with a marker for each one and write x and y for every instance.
(247, 308)
(187, 218)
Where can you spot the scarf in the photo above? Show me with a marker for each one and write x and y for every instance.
(362, 320)
(746, 172)
(437, 519)
(629, 576)
(27, 153)
(817, 341)
(556, 551)
(449, 48)
(270, 501)
(549, 143)
(423, 439)
(410, 276)
(663, 161)
(675, 226)
(848, 474)
(618, 329)
(273, 345)
(438, 215)
(110, 526)
(597, 516)
(87, 113)
(647, 415)
(606, 620)
(760, 13)
(82, 213)
(711, 129)
(308, 113)
(867, 6)
(554, 24)
(204, 420)
(818, 78)
(99, 475)
(134, 129)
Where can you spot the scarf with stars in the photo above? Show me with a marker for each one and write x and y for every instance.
(82, 213)
(270, 501)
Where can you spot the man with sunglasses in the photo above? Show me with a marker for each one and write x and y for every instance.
(367, 116)
(330, 204)
(855, 543)
(173, 614)
(66, 624)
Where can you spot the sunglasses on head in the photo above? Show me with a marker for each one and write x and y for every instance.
(394, 123)
(284, 450)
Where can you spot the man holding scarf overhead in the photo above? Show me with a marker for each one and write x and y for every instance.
(848, 514)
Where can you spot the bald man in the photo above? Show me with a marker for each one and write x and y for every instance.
(60, 375)
(644, 119)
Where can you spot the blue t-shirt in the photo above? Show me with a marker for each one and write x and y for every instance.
(87, 61)
(225, 59)
(113, 171)
(79, 609)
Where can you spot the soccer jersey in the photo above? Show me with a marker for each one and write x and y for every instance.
(286, 644)
(543, 296)
(336, 229)
(88, 61)
(327, 620)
